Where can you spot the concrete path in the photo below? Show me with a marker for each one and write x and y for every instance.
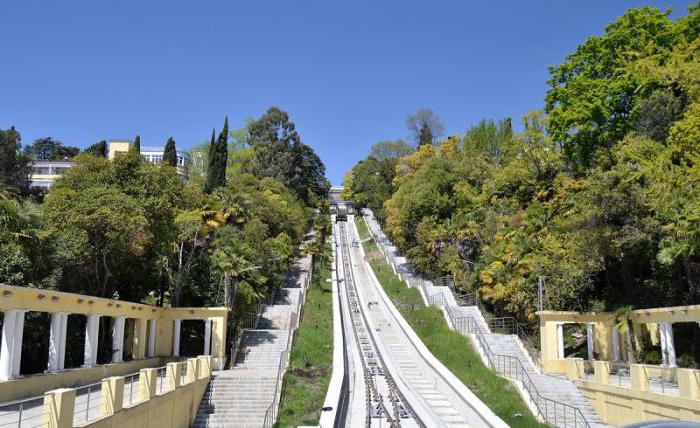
(241, 397)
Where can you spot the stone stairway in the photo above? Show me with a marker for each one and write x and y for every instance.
(240, 397)
(557, 388)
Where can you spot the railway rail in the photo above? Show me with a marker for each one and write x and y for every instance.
(384, 400)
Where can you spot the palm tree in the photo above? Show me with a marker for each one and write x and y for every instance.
(623, 323)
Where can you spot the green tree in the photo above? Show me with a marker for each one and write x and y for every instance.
(14, 167)
(98, 149)
(593, 95)
(170, 153)
(136, 146)
(279, 153)
(424, 127)
(49, 149)
(390, 150)
(103, 225)
(218, 156)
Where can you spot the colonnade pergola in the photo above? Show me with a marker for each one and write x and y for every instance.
(603, 337)
(154, 332)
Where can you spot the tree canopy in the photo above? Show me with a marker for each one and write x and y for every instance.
(279, 153)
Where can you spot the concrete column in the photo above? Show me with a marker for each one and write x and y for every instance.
(57, 344)
(17, 351)
(615, 333)
(662, 341)
(138, 350)
(191, 375)
(112, 395)
(151, 338)
(589, 341)
(62, 341)
(176, 338)
(689, 383)
(575, 368)
(7, 349)
(59, 405)
(670, 346)
(601, 372)
(91, 338)
(560, 341)
(172, 375)
(638, 377)
(147, 382)
(118, 340)
(204, 367)
(207, 337)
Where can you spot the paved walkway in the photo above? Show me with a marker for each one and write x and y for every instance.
(241, 397)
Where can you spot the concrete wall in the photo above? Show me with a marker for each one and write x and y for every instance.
(28, 386)
(619, 406)
(177, 409)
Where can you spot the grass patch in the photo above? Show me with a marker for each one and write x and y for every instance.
(450, 347)
(311, 358)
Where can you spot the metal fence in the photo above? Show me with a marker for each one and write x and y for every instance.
(552, 411)
(27, 413)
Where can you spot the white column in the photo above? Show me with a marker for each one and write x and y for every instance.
(19, 333)
(55, 342)
(662, 340)
(589, 341)
(118, 340)
(615, 343)
(91, 338)
(560, 341)
(118, 350)
(64, 330)
(152, 338)
(670, 346)
(176, 338)
(207, 336)
(8, 344)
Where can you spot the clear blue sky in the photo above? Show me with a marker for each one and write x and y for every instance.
(347, 72)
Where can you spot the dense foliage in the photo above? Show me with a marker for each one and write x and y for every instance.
(130, 228)
(599, 194)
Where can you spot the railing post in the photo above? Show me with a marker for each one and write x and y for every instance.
(689, 383)
(172, 376)
(638, 377)
(574, 368)
(147, 381)
(601, 371)
(204, 367)
(191, 375)
(112, 395)
(59, 405)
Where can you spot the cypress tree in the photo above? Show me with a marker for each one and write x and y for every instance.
(169, 153)
(426, 135)
(211, 161)
(136, 147)
(218, 155)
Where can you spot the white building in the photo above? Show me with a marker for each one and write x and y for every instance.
(44, 173)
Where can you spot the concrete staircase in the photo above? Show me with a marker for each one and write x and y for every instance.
(557, 388)
(240, 397)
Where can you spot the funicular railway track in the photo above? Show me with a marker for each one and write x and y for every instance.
(385, 403)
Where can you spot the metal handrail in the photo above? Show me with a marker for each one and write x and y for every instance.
(21, 408)
(552, 411)
(512, 326)
(272, 409)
